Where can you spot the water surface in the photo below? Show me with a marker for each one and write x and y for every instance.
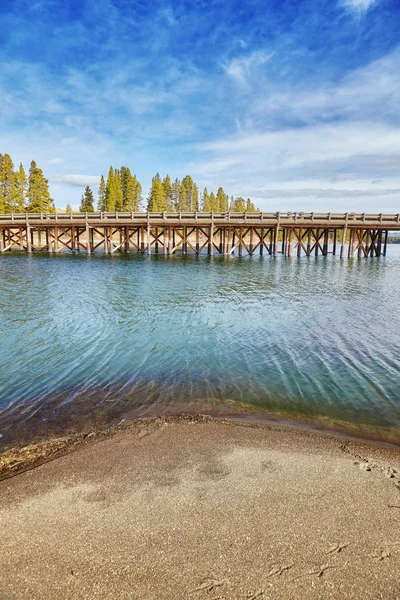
(86, 340)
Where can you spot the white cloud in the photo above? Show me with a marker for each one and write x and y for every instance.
(56, 161)
(358, 6)
(77, 180)
(240, 69)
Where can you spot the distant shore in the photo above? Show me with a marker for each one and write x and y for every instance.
(173, 508)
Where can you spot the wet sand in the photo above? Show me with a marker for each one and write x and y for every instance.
(202, 508)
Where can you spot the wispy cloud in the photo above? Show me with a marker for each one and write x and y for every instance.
(245, 67)
(358, 6)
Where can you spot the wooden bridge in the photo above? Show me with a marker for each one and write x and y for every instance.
(287, 233)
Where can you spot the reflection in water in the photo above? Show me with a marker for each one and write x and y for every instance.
(91, 339)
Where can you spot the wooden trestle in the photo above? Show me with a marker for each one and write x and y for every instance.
(289, 233)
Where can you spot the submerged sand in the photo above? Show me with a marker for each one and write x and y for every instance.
(207, 509)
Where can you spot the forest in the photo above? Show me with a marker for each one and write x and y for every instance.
(121, 191)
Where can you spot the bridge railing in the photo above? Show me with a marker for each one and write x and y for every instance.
(198, 217)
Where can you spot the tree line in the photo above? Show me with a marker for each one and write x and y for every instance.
(121, 191)
(20, 192)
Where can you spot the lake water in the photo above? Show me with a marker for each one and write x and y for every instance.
(88, 340)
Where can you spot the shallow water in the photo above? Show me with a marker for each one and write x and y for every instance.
(86, 340)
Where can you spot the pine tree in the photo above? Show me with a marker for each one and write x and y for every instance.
(87, 201)
(102, 196)
(183, 198)
(206, 204)
(239, 205)
(6, 182)
(250, 206)
(222, 200)
(195, 198)
(17, 197)
(114, 191)
(175, 194)
(168, 193)
(68, 208)
(38, 191)
(213, 203)
(156, 199)
(138, 195)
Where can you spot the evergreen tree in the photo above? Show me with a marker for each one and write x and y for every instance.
(114, 191)
(68, 208)
(206, 204)
(6, 182)
(129, 189)
(17, 199)
(222, 200)
(138, 195)
(156, 199)
(239, 205)
(168, 192)
(183, 198)
(187, 194)
(38, 191)
(102, 196)
(175, 194)
(250, 206)
(87, 201)
(213, 203)
(195, 198)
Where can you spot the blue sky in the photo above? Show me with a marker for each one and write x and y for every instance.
(293, 103)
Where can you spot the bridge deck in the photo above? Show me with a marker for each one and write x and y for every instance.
(284, 219)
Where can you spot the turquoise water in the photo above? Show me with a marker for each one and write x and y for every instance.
(86, 341)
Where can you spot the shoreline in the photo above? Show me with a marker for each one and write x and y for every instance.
(17, 459)
(206, 508)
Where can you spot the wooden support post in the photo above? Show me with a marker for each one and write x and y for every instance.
(299, 241)
(78, 243)
(317, 243)
(361, 234)
(290, 247)
(251, 244)
(170, 246)
(261, 242)
(351, 243)
(73, 238)
(276, 239)
(106, 246)
(379, 243)
(88, 248)
(56, 238)
(326, 242)
(156, 242)
(385, 242)
(241, 241)
(127, 238)
(309, 233)
(165, 241)
(334, 242)
(40, 238)
(283, 240)
(211, 240)
(48, 239)
(184, 242)
(148, 238)
(28, 238)
(343, 246)
(197, 240)
(1, 239)
(142, 244)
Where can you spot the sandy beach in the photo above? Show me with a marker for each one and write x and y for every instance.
(201, 508)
